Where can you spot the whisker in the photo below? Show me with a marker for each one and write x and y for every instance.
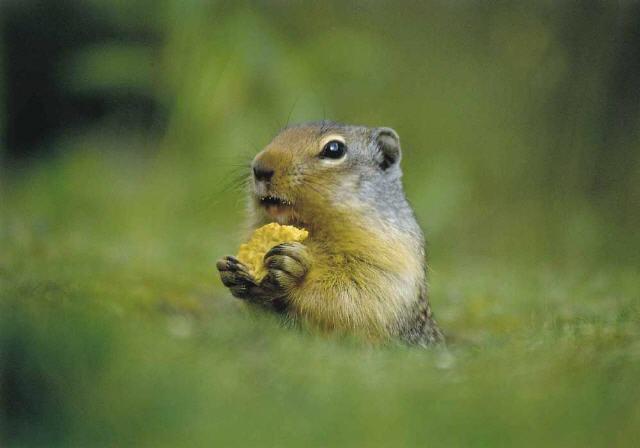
(235, 183)
(316, 182)
(295, 102)
(318, 188)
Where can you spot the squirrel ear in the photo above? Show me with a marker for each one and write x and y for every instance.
(388, 144)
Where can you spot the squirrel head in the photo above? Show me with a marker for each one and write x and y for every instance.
(316, 170)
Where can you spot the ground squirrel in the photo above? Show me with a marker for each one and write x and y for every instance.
(362, 268)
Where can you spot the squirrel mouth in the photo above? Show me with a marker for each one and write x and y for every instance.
(276, 207)
(271, 201)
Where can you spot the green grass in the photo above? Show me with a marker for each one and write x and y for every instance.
(115, 330)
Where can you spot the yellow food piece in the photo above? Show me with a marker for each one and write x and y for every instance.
(263, 239)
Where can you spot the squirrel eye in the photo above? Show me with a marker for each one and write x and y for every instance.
(333, 150)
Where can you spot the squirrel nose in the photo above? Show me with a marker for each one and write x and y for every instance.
(261, 172)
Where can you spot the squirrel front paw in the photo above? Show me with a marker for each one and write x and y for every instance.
(287, 264)
(236, 276)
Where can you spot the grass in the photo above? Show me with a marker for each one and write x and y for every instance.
(115, 330)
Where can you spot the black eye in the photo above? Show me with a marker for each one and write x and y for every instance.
(333, 150)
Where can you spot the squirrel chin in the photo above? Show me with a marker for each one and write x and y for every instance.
(280, 214)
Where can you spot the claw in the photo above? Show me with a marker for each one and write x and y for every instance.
(294, 250)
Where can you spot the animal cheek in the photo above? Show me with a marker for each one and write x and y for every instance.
(297, 171)
(296, 180)
(296, 177)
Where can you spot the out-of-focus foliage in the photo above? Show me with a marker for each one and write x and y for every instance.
(519, 124)
(516, 119)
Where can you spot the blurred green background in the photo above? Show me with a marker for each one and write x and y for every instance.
(125, 125)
